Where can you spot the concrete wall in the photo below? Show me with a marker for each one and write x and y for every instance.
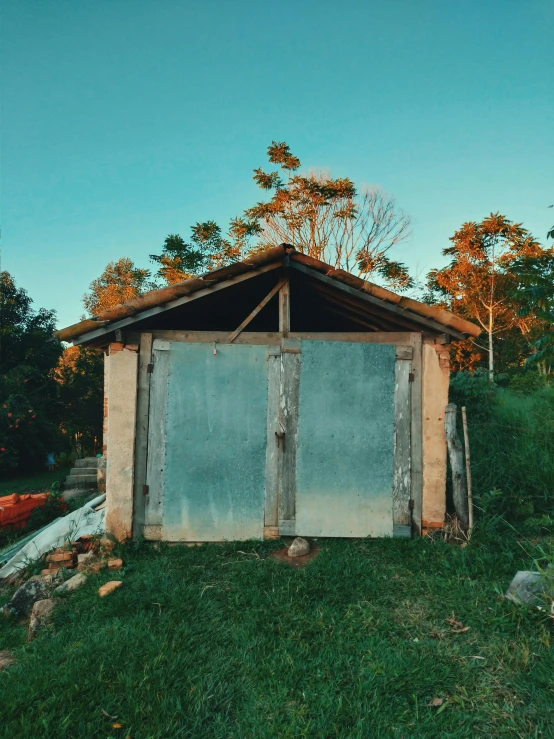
(436, 376)
(121, 376)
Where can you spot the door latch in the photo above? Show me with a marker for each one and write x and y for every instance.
(280, 435)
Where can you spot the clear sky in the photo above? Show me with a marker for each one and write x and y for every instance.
(126, 120)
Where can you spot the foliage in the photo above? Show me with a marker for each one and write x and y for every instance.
(208, 249)
(324, 217)
(512, 448)
(527, 383)
(80, 374)
(120, 281)
(28, 398)
(535, 294)
(480, 281)
(474, 391)
(329, 219)
(223, 641)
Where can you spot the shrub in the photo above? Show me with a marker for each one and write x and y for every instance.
(512, 453)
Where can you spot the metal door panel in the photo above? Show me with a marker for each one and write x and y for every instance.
(345, 439)
(215, 447)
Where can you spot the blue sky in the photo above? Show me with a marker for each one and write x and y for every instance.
(123, 121)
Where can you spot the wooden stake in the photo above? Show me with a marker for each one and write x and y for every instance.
(468, 471)
(456, 454)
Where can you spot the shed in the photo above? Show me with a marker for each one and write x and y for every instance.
(275, 396)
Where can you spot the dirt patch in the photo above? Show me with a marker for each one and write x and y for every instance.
(281, 555)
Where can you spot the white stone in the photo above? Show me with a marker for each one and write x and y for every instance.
(72, 584)
(40, 615)
(299, 547)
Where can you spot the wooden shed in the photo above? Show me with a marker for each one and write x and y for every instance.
(275, 396)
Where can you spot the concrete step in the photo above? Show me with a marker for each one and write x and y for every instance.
(81, 478)
(83, 471)
(87, 462)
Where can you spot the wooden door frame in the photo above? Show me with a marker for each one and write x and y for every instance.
(406, 343)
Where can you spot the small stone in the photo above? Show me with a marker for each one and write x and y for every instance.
(26, 596)
(6, 659)
(40, 615)
(531, 588)
(299, 547)
(109, 587)
(115, 564)
(72, 584)
(84, 557)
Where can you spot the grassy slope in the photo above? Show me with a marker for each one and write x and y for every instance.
(214, 642)
(39, 482)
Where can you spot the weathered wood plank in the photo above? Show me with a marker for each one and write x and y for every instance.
(141, 439)
(155, 466)
(219, 337)
(401, 488)
(284, 309)
(417, 433)
(456, 456)
(371, 337)
(271, 517)
(402, 338)
(288, 422)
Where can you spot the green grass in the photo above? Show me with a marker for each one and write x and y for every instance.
(223, 641)
(37, 483)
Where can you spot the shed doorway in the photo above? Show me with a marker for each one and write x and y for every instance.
(307, 437)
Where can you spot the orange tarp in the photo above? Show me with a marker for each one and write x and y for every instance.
(15, 509)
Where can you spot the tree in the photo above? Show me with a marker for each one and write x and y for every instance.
(535, 294)
(80, 377)
(208, 250)
(329, 219)
(119, 282)
(323, 217)
(28, 397)
(480, 281)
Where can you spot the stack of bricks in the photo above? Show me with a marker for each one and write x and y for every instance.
(60, 557)
(88, 554)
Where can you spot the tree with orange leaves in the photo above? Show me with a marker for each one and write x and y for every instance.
(120, 281)
(480, 283)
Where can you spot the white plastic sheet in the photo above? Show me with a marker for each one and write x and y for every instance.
(81, 522)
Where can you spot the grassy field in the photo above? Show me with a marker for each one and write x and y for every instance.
(37, 483)
(224, 641)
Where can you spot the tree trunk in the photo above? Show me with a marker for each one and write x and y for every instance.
(491, 355)
(456, 455)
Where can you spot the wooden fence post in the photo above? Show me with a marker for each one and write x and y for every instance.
(456, 455)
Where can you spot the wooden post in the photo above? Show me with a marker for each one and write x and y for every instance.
(456, 454)
(284, 309)
(468, 470)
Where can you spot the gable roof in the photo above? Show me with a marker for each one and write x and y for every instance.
(425, 317)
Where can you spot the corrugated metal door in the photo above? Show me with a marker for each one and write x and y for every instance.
(206, 462)
(345, 447)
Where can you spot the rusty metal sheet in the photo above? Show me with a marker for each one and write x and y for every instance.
(345, 439)
(215, 454)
